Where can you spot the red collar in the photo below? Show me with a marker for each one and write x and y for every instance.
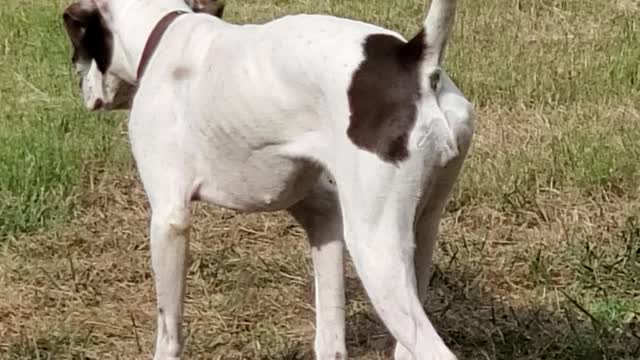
(154, 39)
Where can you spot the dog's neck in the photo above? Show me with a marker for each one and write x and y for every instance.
(133, 31)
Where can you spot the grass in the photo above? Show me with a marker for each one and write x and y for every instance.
(48, 143)
(539, 256)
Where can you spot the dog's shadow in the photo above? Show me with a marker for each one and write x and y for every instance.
(477, 326)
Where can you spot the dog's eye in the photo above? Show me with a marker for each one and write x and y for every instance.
(434, 80)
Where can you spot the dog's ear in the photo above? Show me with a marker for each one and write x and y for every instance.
(76, 19)
(89, 36)
(211, 7)
(104, 9)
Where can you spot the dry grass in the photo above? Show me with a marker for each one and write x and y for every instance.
(550, 275)
(504, 288)
(539, 256)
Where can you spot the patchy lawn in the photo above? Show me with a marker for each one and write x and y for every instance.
(539, 251)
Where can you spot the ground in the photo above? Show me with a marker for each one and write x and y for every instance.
(539, 253)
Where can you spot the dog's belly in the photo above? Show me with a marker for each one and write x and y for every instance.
(264, 180)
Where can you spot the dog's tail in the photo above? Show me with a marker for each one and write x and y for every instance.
(432, 40)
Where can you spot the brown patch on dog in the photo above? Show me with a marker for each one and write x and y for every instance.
(181, 72)
(90, 37)
(383, 95)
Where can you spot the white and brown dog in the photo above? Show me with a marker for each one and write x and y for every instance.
(356, 132)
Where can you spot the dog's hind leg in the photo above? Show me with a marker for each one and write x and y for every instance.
(379, 205)
(319, 214)
(427, 227)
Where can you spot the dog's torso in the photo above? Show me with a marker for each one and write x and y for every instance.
(256, 105)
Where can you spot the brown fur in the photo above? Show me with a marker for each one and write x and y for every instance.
(383, 95)
(90, 37)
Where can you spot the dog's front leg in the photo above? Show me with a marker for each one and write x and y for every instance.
(319, 214)
(169, 246)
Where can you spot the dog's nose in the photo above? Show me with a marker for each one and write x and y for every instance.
(98, 104)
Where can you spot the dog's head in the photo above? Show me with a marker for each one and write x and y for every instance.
(98, 56)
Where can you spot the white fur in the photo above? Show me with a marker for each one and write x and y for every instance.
(254, 118)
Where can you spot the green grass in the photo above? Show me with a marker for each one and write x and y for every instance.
(540, 256)
(48, 143)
